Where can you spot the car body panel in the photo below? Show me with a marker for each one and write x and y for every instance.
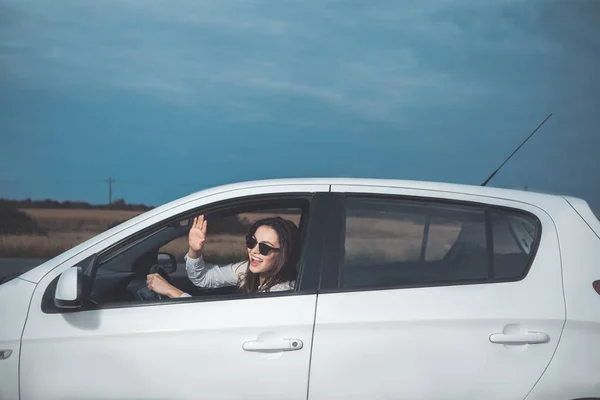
(575, 369)
(15, 296)
(176, 351)
(116, 352)
(433, 342)
(586, 213)
(375, 344)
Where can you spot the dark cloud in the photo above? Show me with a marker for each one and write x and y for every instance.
(430, 89)
(575, 26)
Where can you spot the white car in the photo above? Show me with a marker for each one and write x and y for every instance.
(405, 290)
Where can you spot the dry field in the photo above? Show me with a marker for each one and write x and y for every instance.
(64, 220)
(66, 229)
(399, 240)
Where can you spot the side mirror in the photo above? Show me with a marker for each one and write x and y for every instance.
(69, 289)
(168, 262)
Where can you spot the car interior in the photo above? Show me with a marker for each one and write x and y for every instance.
(121, 274)
(466, 260)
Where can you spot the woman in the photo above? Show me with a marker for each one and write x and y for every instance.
(273, 253)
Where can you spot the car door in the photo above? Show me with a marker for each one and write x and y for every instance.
(434, 295)
(219, 347)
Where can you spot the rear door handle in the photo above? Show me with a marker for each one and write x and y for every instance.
(519, 338)
(273, 345)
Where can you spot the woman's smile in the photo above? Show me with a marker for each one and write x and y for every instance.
(254, 261)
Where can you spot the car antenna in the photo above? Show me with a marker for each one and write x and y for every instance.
(517, 149)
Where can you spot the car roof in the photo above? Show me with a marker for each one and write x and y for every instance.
(489, 191)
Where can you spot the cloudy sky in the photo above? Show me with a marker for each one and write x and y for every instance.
(169, 97)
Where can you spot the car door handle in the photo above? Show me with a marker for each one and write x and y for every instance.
(519, 338)
(273, 345)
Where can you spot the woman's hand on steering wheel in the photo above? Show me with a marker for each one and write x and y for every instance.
(158, 284)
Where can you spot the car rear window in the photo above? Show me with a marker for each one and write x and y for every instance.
(399, 242)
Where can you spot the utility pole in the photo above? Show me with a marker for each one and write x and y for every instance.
(110, 182)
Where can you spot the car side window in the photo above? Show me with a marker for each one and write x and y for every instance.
(399, 243)
(122, 270)
(514, 238)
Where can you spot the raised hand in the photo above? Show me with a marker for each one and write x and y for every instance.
(197, 234)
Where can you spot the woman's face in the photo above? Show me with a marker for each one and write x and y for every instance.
(258, 263)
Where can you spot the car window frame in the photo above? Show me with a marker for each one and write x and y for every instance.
(314, 218)
(330, 281)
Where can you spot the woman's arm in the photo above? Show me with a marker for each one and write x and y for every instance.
(197, 271)
(213, 276)
(200, 275)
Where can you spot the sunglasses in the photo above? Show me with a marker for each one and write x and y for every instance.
(263, 248)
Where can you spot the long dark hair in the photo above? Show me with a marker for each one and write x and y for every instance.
(287, 257)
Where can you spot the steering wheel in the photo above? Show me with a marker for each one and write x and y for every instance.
(157, 269)
(142, 291)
